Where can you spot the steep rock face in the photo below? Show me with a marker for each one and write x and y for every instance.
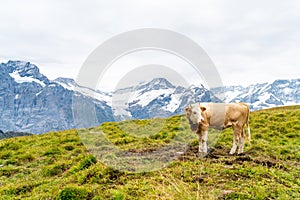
(30, 102)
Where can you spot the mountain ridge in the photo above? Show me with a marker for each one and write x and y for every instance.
(11, 134)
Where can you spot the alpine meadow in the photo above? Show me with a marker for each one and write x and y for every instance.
(57, 165)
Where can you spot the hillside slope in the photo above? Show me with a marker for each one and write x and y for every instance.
(57, 165)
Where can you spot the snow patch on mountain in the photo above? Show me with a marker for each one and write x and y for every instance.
(144, 98)
(174, 103)
(23, 79)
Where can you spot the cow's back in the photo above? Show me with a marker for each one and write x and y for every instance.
(222, 115)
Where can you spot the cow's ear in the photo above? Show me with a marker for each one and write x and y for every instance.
(187, 109)
(202, 108)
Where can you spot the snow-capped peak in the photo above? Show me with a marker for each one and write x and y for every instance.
(23, 71)
(155, 84)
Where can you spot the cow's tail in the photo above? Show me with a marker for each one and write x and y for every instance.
(248, 126)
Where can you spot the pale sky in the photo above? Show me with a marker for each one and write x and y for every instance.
(248, 41)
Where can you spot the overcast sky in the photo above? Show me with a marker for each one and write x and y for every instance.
(248, 41)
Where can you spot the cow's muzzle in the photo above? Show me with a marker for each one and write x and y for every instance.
(193, 126)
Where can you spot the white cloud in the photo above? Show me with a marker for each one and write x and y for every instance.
(145, 65)
(249, 41)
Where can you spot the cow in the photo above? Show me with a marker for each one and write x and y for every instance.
(219, 116)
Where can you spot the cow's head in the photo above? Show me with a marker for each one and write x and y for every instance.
(195, 115)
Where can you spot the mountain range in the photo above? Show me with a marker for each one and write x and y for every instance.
(30, 102)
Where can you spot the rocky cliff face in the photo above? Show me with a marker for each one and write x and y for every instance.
(30, 102)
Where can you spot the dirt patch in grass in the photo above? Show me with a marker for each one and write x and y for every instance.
(221, 155)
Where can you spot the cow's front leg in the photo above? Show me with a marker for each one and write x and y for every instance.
(203, 142)
(234, 145)
(235, 141)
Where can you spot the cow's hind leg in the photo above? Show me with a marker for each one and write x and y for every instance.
(241, 143)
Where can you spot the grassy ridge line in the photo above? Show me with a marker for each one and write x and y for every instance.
(284, 108)
(58, 166)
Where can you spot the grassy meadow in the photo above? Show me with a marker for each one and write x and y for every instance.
(155, 159)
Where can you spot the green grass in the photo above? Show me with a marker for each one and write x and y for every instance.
(73, 164)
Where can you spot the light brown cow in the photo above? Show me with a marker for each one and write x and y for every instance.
(219, 116)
